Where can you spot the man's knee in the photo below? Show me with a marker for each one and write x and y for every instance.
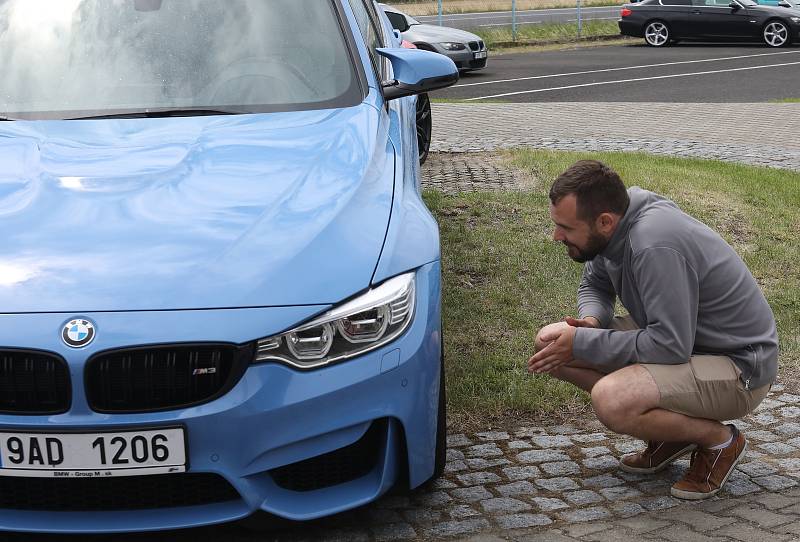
(609, 403)
(623, 395)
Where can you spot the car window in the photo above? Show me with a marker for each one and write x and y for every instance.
(75, 58)
(712, 3)
(397, 20)
(372, 33)
(676, 2)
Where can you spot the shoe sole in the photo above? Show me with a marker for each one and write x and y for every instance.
(658, 468)
(695, 496)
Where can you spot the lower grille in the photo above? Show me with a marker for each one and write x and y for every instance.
(336, 467)
(475, 64)
(157, 378)
(112, 494)
(33, 383)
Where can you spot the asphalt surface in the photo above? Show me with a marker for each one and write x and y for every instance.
(691, 73)
(467, 21)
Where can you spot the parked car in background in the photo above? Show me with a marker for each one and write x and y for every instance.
(220, 286)
(467, 50)
(661, 22)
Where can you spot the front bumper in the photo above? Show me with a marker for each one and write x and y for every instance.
(465, 60)
(272, 418)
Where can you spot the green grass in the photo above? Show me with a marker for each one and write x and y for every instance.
(504, 278)
(547, 32)
(785, 101)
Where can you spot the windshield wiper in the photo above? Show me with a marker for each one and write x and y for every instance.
(162, 113)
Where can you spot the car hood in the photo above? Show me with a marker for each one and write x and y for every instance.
(433, 33)
(191, 213)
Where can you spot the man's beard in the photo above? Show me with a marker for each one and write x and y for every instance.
(596, 244)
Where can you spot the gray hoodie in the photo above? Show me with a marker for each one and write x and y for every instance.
(684, 286)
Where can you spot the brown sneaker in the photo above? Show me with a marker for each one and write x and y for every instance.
(710, 469)
(656, 457)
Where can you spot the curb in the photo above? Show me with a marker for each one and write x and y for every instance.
(512, 44)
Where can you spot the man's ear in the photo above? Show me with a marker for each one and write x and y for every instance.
(607, 223)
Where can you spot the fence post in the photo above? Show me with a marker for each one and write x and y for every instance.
(514, 20)
(440, 12)
(580, 22)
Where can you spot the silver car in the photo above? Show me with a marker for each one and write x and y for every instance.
(467, 50)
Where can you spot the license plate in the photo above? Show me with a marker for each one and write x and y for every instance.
(481, 54)
(89, 455)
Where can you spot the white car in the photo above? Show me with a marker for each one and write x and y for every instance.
(466, 49)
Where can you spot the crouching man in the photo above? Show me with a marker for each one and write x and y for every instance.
(699, 345)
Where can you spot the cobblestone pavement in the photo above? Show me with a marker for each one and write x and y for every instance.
(759, 134)
(562, 483)
(471, 172)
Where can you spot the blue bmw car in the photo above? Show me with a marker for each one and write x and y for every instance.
(219, 286)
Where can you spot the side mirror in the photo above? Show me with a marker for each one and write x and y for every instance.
(734, 6)
(417, 71)
(785, 4)
(398, 21)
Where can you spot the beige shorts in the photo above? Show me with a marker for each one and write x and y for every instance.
(706, 387)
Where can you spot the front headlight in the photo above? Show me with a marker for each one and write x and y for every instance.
(356, 327)
(452, 46)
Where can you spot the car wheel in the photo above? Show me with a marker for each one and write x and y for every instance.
(656, 34)
(776, 34)
(424, 126)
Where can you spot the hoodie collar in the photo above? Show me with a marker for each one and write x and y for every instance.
(616, 246)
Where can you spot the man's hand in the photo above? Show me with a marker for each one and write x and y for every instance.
(555, 354)
(548, 334)
(551, 332)
(589, 321)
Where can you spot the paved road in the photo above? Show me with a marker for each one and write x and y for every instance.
(469, 21)
(698, 73)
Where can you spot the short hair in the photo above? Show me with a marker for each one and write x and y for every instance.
(597, 188)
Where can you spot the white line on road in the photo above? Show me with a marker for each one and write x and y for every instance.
(631, 80)
(625, 68)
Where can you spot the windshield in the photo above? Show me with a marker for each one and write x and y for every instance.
(79, 58)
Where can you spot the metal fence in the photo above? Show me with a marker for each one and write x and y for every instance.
(514, 15)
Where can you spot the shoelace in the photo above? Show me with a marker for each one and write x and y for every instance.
(700, 465)
(652, 447)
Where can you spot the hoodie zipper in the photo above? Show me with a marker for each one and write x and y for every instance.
(755, 363)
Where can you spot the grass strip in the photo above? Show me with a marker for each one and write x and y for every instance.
(547, 33)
